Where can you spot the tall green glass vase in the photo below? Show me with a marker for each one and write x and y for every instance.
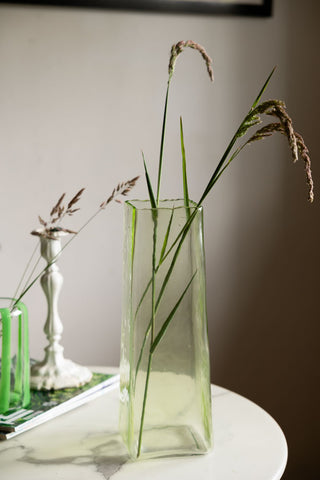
(14, 355)
(165, 397)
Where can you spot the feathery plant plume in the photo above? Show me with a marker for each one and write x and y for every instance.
(122, 189)
(301, 147)
(280, 112)
(50, 230)
(180, 46)
(57, 214)
(276, 108)
(304, 153)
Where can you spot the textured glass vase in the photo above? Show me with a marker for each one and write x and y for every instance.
(14, 355)
(165, 398)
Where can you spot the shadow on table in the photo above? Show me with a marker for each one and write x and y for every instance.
(105, 451)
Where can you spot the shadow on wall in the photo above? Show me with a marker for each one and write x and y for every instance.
(271, 355)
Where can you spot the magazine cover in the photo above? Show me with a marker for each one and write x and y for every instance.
(45, 405)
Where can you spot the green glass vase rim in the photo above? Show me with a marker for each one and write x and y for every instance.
(165, 204)
(12, 306)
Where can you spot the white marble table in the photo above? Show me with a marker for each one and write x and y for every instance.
(84, 444)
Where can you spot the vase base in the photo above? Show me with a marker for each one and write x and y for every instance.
(171, 441)
(65, 374)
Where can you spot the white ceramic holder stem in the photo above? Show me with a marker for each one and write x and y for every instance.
(55, 372)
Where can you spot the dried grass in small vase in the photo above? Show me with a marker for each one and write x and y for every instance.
(51, 228)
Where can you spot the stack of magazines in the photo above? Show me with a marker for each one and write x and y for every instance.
(45, 405)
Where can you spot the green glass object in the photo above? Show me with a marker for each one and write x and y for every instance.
(14, 355)
(165, 397)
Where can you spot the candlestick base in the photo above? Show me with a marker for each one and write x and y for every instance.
(48, 375)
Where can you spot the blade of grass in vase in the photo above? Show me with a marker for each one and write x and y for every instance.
(174, 259)
(150, 191)
(146, 386)
(133, 241)
(244, 126)
(153, 345)
(164, 256)
(162, 140)
(187, 225)
(176, 50)
(234, 139)
(217, 173)
(144, 406)
(213, 180)
(153, 308)
(143, 411)
(142, 298)
(226, 165)
(163, 251)
(183, 233)
(184, 172)
(219, 170)
(155, 224)
(262, 90)
(165, 282)
(150, 329)
(170, 317)
(166, 237)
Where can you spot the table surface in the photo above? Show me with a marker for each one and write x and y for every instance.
(84, 444)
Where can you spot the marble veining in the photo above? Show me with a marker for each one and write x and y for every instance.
(104, 457)
(84, 444)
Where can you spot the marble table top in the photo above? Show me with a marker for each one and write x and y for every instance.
(84, 444)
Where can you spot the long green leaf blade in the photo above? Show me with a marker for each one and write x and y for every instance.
(165, 241)
(153, 302)
(180, 236)
(162, 255)
(184, 171)
(170, 317)
(257, 100)
(162, 142)
(150, 191)
(216, 173)
(163, 252)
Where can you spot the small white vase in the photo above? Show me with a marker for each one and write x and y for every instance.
(55, 372)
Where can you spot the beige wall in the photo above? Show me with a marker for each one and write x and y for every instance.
(81, 92)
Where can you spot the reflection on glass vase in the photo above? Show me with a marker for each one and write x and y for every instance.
(165, 397)
(14, 355)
